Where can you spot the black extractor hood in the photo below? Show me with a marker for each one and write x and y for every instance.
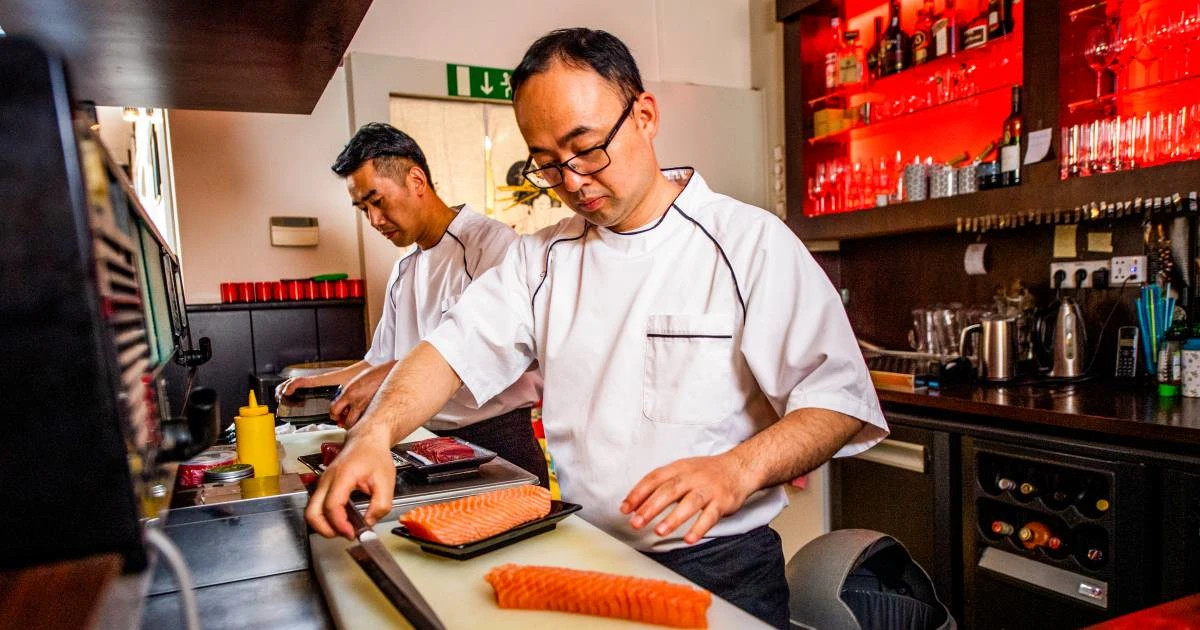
(234, 55)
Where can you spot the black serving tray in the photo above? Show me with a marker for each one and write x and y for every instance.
(314, 462)
(428, 472)
(558, 511)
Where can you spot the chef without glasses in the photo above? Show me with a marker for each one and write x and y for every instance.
(695, 356)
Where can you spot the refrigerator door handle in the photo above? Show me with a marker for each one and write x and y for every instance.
(896, 454)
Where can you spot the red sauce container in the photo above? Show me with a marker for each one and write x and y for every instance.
(262, 292)
(246, 292)
(341, 289)
(229, 292)
(325, 289)
(310, 289)
(294, 289)
(356, 287)
(278, 292)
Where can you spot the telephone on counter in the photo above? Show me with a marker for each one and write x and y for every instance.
(1127, 352)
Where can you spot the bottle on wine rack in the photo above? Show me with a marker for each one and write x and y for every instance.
(997, 21)
(893, 52)
(832, 55)
(1036, 534)
(873, 53)
(1092, 499)
(1010, 147)
(976, 32)
(1001, 528)
(1090, 545)
(1005, 483)
(922, 35)
(1063, 491)
(944, 34)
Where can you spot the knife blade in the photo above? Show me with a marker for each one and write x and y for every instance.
(381, 567)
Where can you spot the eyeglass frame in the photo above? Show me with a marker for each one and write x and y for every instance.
(603, 147)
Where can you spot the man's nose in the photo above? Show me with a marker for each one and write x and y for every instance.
(572, 181)
(375, 216)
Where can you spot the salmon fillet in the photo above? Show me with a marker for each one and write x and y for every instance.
(602, 594)
(479, 516)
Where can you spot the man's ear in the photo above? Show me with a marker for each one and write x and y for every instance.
(645, 113)
(416, 180)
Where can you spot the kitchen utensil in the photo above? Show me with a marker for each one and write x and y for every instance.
(1070, 341)
(381, 567)
(995, 344)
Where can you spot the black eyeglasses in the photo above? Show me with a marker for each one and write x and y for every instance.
(587, 162)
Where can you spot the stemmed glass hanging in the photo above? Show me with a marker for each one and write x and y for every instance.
(1099, 53)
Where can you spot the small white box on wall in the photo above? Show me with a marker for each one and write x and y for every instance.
(294, 232)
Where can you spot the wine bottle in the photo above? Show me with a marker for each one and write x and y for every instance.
(922, 34)
(976, 33)
(1090, 544)
(945, 32)
(1036, 534)
(1010, 147)
(832, 55)
(996, 19)
(873, 53)
(1001, 528)
(1004, 483)
(893, 56)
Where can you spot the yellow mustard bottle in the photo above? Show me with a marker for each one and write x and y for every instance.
(255, 427)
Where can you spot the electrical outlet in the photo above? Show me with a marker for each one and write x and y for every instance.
(1128, 270)
(1088, 266)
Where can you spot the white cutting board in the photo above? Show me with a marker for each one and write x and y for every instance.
(464, 601)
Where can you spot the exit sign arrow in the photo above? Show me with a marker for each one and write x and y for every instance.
(478, 82)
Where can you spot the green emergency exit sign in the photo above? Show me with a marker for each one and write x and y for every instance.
(478, 82)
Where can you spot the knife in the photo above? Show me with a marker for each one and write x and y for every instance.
(381, 567)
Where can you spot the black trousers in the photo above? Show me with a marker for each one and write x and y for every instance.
(745, 570)
(511, 436)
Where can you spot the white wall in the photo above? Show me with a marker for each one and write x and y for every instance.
(686, 41)
(235, 170)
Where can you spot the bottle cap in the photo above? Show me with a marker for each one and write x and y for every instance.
(1168, 390)
(252, 408)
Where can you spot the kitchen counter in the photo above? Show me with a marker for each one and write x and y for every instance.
(1120, 413)
(456, 589)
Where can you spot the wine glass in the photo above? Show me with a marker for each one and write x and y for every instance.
(1124, 45)
(1098, 52)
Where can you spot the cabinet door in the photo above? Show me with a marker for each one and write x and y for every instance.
(341, 333)
(903, 487)
(283, 337)
(1181, 533)
(232, 361)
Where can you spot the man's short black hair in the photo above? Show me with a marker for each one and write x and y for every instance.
(386, 146)
(597, 50)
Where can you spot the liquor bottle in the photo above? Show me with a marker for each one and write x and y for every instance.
(1036, 534)
(873, 53)
(832, 55)
(922, 34)
(1010, 148)
(996, 19)
(1064, 489)
(1092, 498)
(1090, 544)
(851, 65)
(945, 32)
(976, 32)
(893, 54)
(1000, 528)
(1004, 483)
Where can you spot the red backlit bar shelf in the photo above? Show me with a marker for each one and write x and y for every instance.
(909, 98)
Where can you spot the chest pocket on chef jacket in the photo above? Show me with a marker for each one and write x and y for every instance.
(689, 374)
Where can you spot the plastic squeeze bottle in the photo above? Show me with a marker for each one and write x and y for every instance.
(255, 427)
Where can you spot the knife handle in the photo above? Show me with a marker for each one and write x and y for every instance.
(357, 521)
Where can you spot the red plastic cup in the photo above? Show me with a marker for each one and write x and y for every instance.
(262, 292)
(310, 289)
(278, 291)
(229, 292)
(341, 289)
(246, 291)
(295, 289)
(325, 289)
(356, 287)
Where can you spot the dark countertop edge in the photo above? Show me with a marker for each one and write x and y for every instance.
(260, 306)
(1114, 427)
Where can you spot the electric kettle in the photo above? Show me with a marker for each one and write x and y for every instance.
(1070, 341)
(995, 344)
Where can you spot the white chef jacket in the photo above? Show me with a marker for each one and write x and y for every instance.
(423, 286)
(680, 339)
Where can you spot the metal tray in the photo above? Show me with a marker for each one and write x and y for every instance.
(558, 511)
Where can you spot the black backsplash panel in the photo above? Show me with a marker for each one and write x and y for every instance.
(887, 277)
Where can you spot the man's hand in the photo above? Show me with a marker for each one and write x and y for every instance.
(288, 387)
(356, 395)
(364, 464)
(712, 486)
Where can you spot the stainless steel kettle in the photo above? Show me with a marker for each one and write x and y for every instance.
(1070, 341)
(995, 345)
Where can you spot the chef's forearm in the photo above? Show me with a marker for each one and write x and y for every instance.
(416, 388)
(795, 445)
(337, 377)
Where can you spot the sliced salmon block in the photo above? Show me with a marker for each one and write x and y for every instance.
(473, 518)
(601, 594)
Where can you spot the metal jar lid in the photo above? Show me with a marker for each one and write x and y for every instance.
(228, 473)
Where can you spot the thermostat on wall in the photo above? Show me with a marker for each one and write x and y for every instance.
(294, 231)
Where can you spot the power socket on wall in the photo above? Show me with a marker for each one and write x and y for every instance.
(1128, 270)
(1070, 268)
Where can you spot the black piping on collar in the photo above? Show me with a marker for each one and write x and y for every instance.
(466, 269)
(736, 286)
(645, 229)
(546, 260)
(391, 297)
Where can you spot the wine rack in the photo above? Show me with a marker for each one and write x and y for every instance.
(1067, 529)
